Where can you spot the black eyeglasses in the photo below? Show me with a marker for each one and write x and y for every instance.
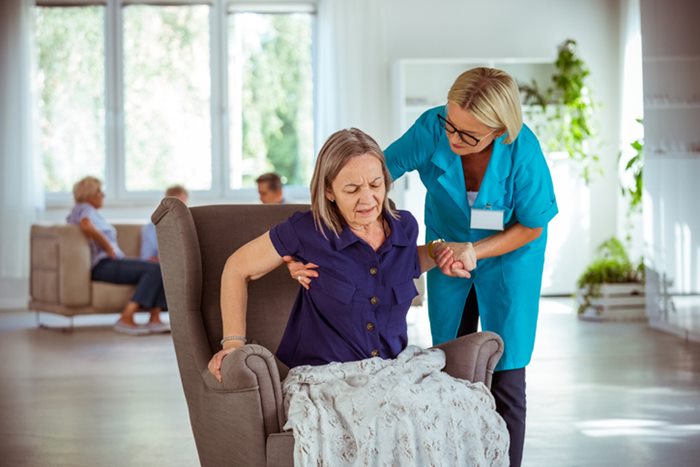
(466, 138)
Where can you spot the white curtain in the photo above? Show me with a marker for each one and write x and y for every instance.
(21, 192)
(631, 109)
(352, 85)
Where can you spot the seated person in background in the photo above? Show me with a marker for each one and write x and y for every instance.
(356, 307)
(149, 241)
(109, 264)
(270, 188)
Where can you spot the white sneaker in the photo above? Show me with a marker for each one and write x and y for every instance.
(158, 328)
(137, 330)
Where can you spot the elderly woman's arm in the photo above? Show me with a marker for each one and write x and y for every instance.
(252, 261)
(89, 230)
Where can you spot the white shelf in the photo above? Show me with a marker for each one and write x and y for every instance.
(671, 58)
(671, 105)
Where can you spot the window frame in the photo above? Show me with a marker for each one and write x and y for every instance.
(115, 157)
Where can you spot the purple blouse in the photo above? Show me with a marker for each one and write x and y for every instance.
(357, 307)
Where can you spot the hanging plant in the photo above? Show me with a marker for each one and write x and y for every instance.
(567, 108)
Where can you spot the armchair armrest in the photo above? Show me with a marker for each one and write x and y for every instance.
(253, 367)
(473, 357)
(60, 265)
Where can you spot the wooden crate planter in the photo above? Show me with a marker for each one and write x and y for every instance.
(616, 302)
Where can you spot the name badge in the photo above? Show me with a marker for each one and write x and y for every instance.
(487, 219)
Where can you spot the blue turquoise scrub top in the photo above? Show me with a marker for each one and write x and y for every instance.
(517, 181)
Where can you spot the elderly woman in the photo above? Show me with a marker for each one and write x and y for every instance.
(367, 258)
(354, 310)
(110, 265)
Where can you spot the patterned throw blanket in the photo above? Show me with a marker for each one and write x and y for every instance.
(401, 412)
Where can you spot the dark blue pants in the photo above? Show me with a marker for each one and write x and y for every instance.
(145, 275)
(507, 387)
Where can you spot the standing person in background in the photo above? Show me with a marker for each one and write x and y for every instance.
(110, 265)
(487, 184)
(149, 241)
(270, 188)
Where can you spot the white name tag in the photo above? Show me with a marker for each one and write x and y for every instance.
(487, 219)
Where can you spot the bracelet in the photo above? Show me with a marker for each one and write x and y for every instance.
(431, 246)
(233, 338)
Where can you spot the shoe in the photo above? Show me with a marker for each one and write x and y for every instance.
(124, 328)
(158, 328)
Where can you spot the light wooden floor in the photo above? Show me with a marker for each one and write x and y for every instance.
(598, 395)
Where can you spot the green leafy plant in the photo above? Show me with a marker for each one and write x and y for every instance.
(635, 168)
(611, 265)
(568, 109)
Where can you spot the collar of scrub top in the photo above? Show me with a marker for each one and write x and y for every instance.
(492, 186)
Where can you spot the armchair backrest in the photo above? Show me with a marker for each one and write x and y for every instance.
(194, 245)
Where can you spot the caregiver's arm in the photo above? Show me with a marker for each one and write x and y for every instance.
(504, 242)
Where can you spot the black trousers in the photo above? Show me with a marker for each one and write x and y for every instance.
(145, 276)
(507, 387)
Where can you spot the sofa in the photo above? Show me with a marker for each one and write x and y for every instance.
(59, 280)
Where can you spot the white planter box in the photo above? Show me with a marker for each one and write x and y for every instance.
(617, 302)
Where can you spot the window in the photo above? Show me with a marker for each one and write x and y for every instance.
(70, 79)
(145, 94)
(167, 131)
(270, 84)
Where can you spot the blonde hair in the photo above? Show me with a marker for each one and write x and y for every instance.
(492, 96)
(336, 152)
(85, 188)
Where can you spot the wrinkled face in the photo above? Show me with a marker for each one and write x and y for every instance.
(462, 121)
(359, 190)
(96, 199)
(268, 195)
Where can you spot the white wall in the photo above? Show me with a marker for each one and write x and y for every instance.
(672, 163)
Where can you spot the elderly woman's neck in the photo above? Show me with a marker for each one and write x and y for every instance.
(374, 234)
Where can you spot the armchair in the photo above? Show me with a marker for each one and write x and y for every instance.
(239, 422)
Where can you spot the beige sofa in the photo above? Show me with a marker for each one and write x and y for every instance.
(60, 271)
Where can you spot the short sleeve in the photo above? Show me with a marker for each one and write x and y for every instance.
(285, 237)
(412, 232)
(535, 203)
(420, 140)
(81, 211)
(149, 241)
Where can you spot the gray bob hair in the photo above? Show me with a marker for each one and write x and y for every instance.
(336, 152)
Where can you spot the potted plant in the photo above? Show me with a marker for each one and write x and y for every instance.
(563, 113)
(611, 287)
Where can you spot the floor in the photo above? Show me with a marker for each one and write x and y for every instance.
(600, 394)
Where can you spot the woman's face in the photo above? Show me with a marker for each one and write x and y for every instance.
(97, 198)
(462, 121)
(359, 191)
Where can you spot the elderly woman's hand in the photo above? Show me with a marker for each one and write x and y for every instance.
(301, 272)
(462, 256)
(218, 358)
(445, 260)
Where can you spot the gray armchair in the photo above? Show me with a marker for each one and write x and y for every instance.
(239, 422)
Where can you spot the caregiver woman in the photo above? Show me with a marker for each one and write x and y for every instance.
(487, 183)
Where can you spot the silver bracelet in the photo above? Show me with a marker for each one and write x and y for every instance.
(233, 338)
